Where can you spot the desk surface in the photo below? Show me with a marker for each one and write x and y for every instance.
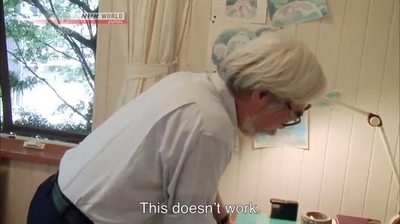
(260, 219)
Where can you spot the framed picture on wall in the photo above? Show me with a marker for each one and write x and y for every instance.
(295, 136)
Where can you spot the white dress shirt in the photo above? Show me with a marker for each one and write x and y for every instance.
(170, 145)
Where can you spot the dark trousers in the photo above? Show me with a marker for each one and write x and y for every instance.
(43, 210)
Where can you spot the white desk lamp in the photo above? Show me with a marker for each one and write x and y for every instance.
(375, 121)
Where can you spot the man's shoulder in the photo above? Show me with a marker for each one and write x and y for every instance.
(198, 90)
(212, 121)
(209, 105)
(216, 122)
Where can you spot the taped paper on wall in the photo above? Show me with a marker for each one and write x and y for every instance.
(287, 12)
(247, 11)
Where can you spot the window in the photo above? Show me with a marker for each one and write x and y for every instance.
(47, 67)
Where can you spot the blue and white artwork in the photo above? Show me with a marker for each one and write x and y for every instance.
(293, 136)
(287, 12)
(226, 40)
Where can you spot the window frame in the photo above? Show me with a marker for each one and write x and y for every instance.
(8, 125)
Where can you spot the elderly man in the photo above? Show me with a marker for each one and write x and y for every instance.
(170, 146)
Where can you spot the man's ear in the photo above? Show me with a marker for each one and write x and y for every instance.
(261, 98)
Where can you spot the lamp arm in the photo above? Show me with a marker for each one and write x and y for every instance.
(358, 110)
(389, 155)
(375, 121)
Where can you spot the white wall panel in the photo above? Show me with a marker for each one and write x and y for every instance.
(380, 177)
(229, 181)
(350, 55)
(330, 39)
(393, 206)
(367, 97)
(390, 98)
(249, 172)
(21, 180)
(345, 170)
(287, 162)
(327, 51)
(314, 159)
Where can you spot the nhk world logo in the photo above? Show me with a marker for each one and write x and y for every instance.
(86, 18)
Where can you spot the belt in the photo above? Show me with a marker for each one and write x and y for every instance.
(59, 199)
(67, 209)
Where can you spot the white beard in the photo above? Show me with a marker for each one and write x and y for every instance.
(249, 123)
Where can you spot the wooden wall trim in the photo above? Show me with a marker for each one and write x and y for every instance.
(13, 149)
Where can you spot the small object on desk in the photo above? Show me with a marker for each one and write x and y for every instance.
(314, 217)
(284, 209)
(12, 135)
(34, 144)
(345, 219)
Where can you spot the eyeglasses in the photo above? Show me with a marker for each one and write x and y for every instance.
(296, 114)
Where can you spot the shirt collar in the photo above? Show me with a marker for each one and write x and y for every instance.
(228, 102)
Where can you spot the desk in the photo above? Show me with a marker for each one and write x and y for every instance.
(261, 218)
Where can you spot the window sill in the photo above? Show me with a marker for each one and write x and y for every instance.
(13, 149)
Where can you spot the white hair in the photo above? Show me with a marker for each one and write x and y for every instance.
(283, 67)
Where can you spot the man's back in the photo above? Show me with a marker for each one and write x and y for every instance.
(151, 151)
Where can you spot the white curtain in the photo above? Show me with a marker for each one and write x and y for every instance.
(131, 57)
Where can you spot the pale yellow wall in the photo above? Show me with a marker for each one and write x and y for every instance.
(18, 182)
(346, 170)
